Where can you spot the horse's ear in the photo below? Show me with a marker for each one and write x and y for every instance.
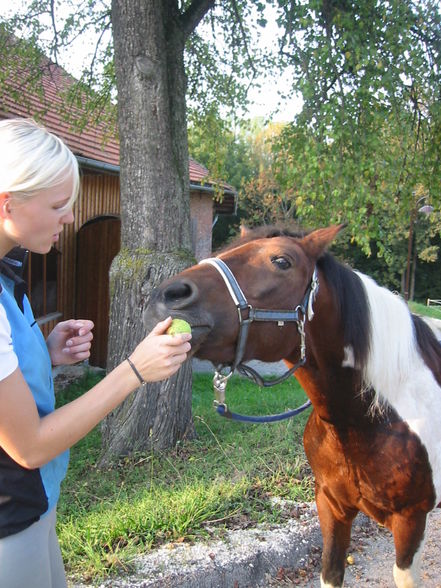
(318, 241)
(244, 231)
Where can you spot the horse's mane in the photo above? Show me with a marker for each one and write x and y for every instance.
(378, 327)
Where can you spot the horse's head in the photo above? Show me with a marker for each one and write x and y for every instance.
(273, 271)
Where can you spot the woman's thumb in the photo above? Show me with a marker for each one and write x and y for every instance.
(162, 326)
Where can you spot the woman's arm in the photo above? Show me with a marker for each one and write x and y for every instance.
(33, 441)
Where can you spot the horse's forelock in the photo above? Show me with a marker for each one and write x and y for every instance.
(264, 232)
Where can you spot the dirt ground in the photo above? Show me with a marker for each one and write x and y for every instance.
(371, 558)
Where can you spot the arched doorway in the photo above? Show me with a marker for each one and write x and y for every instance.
(98, 241)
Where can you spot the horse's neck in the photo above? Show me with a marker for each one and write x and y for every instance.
(335, 394)
(328, 377)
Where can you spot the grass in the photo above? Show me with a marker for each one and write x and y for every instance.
(225, 478)
(430, 311)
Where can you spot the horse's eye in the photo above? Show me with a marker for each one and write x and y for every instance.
(281, 262)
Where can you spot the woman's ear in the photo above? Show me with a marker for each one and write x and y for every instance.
(5, 204)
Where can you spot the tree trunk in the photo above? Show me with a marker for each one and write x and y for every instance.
(157, 415)
(155, 213)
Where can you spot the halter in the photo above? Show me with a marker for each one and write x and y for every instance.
(247, 314)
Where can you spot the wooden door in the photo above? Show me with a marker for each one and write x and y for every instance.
(98, 242)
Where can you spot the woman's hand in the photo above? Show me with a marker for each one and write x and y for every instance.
(159, 355)
(70, 341)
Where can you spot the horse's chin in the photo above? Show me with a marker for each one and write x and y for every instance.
(199, 334)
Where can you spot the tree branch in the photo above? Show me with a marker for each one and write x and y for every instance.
(54, 28)
(104, 30)
(244, 37)
(194, 14)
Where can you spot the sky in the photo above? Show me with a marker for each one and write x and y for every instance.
(264, 101)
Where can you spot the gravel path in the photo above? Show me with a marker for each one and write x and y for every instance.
(372, 557)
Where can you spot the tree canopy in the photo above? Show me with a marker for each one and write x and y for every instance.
(365, 149)
(369, 74)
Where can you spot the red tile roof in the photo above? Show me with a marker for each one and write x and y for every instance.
(197, 171)
(96, 141)
(47, 105)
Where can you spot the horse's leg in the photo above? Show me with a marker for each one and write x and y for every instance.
(408, 532)
(335, 524)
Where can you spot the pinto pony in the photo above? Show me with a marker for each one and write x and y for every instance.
(371, 369)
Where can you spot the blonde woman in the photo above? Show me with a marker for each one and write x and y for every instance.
(39, 183)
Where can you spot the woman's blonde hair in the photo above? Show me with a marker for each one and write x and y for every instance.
(33, 159)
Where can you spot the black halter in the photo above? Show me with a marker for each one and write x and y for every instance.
(247, 314)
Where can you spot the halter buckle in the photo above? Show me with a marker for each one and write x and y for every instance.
(241, 310)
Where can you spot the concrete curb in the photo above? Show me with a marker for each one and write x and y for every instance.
(244, 558)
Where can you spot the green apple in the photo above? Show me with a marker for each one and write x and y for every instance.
(178, 326)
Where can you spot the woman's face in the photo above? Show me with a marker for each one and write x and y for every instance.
(36, 223)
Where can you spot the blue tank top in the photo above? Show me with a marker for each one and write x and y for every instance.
(25, 495)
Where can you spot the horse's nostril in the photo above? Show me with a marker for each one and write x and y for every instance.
(180, 294)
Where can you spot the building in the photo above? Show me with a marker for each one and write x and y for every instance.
(59, 282)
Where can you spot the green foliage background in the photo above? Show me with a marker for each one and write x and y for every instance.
(365, 149)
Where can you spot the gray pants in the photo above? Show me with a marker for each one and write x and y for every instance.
(32, 558)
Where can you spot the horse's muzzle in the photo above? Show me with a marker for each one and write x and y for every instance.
(180, 298)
